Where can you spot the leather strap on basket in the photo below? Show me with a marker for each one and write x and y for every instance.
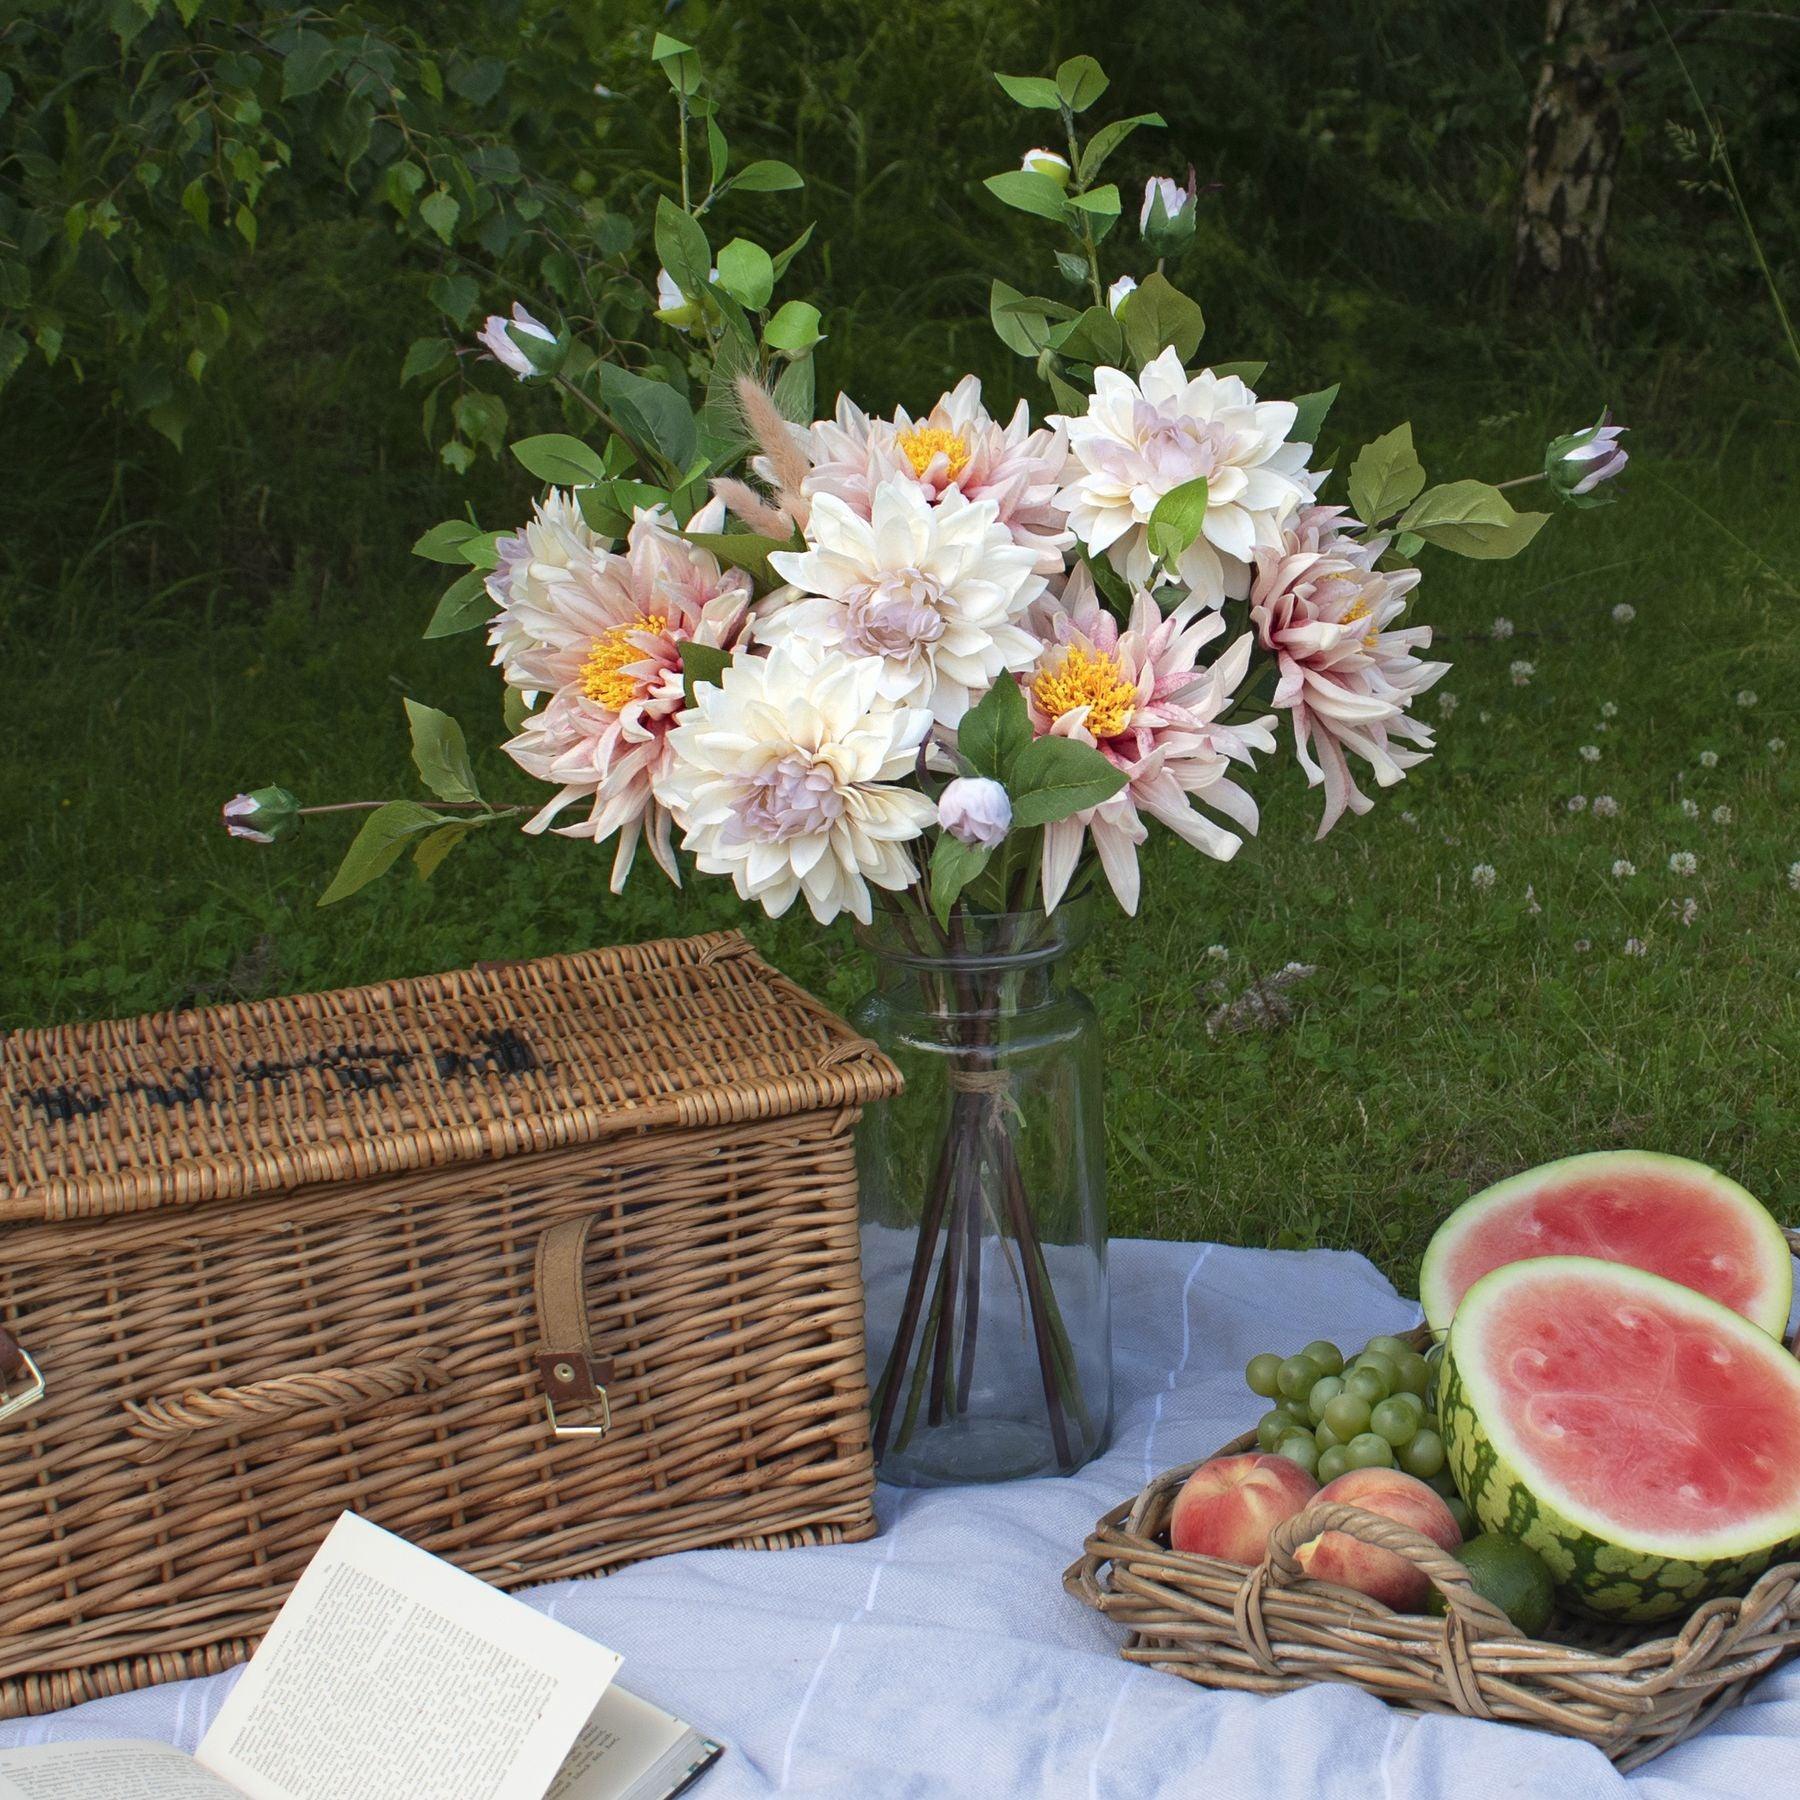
(570, 1371)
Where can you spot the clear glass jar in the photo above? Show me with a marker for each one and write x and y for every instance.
(984, 1203)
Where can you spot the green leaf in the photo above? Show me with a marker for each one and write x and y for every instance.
(12, 353)
(308, 64)
(515, 709)
(994, 731)
(1249, 373)
(432, 850)
(454, 296)
(1094, 336)
(442, 542)
(1081, 81)
(372, 851)
(651, 412)
(1056, 777)
(1035, 91)
(1471, 519)
(1101, 200)
(784, 257)
(678, 61)
(1028, 191)
(559, 459)
(682, 248)
(795, 327)
(794, 390)
(1176, 519)
(465, 604)
(441, 753)
(701, 663)
(747, 273)
(427, 356)
(767, 177)
(1157, 315)
(478, 79)
(440, 211)
(1309, 414)
(1108, 138)
(954, 865)
(747, 550)
(1385, 476)
(1025, 333)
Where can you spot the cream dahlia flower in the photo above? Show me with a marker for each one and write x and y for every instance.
(785, 776)
(1347, 680)
(936, 593)
(956, 448)
(600, 632)
(1138, 697)
(1138, 440)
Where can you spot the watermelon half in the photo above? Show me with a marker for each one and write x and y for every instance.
(1662, 1213)
(1643, 1439)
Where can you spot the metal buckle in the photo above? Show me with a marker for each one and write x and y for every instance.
(32, 1392)
(560, 1430)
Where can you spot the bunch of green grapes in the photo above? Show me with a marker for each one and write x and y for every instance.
(1375, 1411)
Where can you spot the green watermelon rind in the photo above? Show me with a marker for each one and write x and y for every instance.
(1597, 1571)
(1772, 1312)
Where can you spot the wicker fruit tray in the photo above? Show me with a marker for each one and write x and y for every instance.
(1632, 1692)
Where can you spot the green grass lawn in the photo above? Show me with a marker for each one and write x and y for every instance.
(1452, 1030)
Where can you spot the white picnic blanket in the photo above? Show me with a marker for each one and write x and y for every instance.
(943, 1658)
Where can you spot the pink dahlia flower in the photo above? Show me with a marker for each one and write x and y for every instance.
(601, 633)
(957, 447)
(1320, 604)
(1138, 696)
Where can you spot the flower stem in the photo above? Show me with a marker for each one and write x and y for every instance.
(1087, 224)
(338, 806)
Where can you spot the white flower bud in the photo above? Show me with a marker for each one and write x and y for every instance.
(497, 340)
(1120, 291)
(1175, 200)
(975, 810)
(1047, 162)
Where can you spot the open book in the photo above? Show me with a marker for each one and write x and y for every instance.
(391, 1675)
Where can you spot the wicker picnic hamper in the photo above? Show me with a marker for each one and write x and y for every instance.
(1632, 1691)
(548, 1266)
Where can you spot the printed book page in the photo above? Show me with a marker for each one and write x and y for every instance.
(390, 1672)
(114, 1769)
(624, 1740)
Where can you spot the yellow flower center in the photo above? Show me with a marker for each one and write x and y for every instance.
(1092, 679)
(926, 441)
(603, 675)
(1361, 610)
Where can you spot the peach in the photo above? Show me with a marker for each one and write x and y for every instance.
(1228, 1506)
(1383, 1575)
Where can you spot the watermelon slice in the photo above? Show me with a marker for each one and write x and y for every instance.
(1662, 1213)
(1643, 1439)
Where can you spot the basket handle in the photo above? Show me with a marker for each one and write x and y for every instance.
(166, 1423)
(566, 1362)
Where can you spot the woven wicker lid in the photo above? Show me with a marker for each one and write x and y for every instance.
(228, 1101)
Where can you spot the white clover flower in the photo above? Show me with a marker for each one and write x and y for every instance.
(1533, 910)
(1120, 291)
(1623, 871)
(496, 339)
(1576, 803)
(975, 810)
(1485, 717)
(1482, 877)
(937, 595)
(1721, 815)
(1690, 809)
(1690, 910)
(1777, 745)
(1624, 613)
(1708, 759)
(1522, 672)
(1410, 818)
(1590, 753)
(1581, 946)
(1217, 953)
(1794, 876)
(1139, 440)
(1605, 807)
(1683, 862)
(1636, 947)
(1609, 709)
(1746, 697)
(786, 775)
(1502, 629)
(1447, 704)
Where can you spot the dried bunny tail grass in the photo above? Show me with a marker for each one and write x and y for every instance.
(788, 467)
(758, 512)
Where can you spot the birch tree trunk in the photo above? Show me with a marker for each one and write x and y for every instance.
(1572, 157)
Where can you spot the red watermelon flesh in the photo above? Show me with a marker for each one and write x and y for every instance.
(1663, 1214)
(1638, 1412)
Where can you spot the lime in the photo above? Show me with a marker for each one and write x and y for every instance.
(1511, 1575)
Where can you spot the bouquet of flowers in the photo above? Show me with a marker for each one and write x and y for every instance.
(943, 664)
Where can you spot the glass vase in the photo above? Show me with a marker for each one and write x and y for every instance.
(984, 1203)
